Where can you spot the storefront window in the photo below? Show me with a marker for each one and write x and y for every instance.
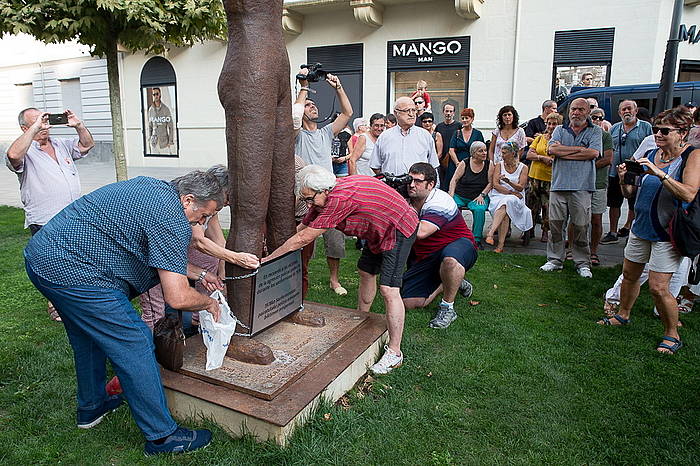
(570, 77)
(160, 120)
(444, 86)
(159, 108)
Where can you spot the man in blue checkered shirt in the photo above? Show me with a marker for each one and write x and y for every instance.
(96, 255)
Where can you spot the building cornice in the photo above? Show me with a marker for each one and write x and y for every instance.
(367, 12)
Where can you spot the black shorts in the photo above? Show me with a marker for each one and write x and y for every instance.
(615, 196)
(423, 278)
(389, 264)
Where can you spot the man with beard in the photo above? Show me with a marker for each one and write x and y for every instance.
(627, 135)
(314, 146)
(575, 146)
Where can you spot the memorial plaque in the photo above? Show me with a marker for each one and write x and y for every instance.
(297, 349)
(276, 291)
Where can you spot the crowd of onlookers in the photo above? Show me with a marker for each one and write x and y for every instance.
(398, 183)
(562, 172)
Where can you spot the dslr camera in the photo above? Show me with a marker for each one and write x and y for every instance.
(399, 182)
(315, 74)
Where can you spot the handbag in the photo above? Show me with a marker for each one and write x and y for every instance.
(169, 340)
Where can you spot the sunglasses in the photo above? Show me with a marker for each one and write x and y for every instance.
(597, 118)
(427, 121)
(420, 101)
(664, 131)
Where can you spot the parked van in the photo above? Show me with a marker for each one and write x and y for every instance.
(609, 98)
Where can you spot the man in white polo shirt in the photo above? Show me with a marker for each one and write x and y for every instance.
(45, 166)
(403, 145)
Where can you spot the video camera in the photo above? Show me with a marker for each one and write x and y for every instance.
(315, 74)
(399, 182)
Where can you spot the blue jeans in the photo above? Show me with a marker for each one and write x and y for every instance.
(101, 323)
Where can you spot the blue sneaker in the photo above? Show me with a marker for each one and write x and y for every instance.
(180, 441)
(89, 419)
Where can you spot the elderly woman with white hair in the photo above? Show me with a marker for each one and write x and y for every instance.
(365, 207)
(471, 184)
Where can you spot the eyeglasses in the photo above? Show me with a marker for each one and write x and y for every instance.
(406, 110)
(664, 131)
(416, 180)
(419, 101)
(310, 200)
(596, 118)
(427, 121)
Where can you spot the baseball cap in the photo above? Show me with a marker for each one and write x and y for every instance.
(691, 103)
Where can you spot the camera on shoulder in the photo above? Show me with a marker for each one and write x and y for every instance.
(315, 74)
(399, 182)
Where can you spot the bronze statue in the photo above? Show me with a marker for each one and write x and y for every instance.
(255, 92)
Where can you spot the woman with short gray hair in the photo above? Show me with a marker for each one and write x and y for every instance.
(315, 178)
(470, 186)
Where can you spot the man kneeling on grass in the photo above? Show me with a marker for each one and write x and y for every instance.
(365, 207)
(444, 249)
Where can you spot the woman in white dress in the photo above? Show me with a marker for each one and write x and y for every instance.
(507, 199)
(359, 158)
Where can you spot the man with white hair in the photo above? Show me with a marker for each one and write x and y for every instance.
(627, 136)
(365, 207)
(403, 145)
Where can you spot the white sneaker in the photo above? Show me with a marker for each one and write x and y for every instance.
(584, 272)
(387, 363)
(550, 266)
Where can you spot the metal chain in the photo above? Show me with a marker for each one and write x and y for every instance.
(241, 277)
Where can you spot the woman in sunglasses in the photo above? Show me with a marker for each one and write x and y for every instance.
(427, 122)
(659, 188)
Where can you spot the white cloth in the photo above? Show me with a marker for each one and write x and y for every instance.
(647, 144)
(678, 281)
(46, 185)
(519, 214)
(363, 162)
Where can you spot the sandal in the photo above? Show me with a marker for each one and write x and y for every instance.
(498, 250)
(569, 255)
(489, 240)
(595, 260)
(609, 321)
(677, 344)
(53, 313)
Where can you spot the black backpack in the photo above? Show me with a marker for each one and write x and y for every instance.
(684, 228)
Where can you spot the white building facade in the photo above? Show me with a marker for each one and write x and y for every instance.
(481, 54)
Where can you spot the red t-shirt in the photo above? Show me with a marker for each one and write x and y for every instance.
(365, 207)
(442, 211)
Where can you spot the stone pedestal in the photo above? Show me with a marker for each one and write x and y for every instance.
(269, 402)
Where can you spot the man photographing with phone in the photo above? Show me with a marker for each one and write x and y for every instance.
(45, 166)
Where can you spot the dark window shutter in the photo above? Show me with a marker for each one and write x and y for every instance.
(336, 58)
(157, 70)
(585, 46)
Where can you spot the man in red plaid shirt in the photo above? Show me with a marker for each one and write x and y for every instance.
(365, 207)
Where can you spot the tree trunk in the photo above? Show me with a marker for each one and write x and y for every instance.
(115, 103)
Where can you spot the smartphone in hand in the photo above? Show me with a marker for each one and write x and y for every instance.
(58, 119)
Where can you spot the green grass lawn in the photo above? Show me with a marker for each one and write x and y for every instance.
(522, 376)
